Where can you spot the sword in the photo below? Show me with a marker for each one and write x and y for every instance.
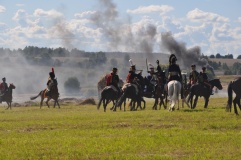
(146, 66)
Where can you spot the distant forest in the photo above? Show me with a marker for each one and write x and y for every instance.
(79, 58)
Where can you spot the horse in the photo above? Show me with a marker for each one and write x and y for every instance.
(158, 94)
(174, 89)
(201, 90)
(7, 97)
(129, 91)
(54, 96)
(234, 86)
(106, 95)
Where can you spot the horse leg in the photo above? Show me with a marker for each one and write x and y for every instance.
(195, 102)
(41, 102)
(105, 102)
(206, 102)
(238, 102)
(58, 103)
(47, 102)
(234, 104)
(155, 104)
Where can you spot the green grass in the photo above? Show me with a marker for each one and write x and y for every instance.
(83, 132)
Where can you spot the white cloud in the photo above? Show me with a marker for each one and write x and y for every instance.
(2, 9)
(84, 14)
(50, 14)
(239, 19)
(20, 5)
(199, 15)
(152, 8)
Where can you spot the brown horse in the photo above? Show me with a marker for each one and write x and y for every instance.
(234, 86)
(7, 97)
(54, 96)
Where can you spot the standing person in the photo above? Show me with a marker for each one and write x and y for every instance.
(51, 81)
(203, 79)
(3, 88)
(113, 80)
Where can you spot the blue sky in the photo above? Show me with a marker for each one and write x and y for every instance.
(121, 25)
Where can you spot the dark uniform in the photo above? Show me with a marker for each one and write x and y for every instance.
(203, 79)
(113, 79)
(51, 81)
(131, 77)
(3, 88)
(193, 77)
(174, 72)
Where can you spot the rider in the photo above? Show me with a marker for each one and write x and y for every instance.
(152, 77)
(193, 77)
(113, 80)
(3, 88)
(174, 72)
(203, 79)
(132, 78)
(51, 81)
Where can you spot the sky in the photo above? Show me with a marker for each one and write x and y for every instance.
(122, 25)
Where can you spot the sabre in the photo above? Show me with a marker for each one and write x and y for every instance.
(146, 66)
(131, 63)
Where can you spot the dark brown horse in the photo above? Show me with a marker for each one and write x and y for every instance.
(201, 90)
(234, 86)
(54, 96)
(160, 93)
(7, 97)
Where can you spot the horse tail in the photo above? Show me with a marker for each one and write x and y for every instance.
(34, 97)
(230, 95)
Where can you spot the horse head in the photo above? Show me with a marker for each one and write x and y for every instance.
(216, 83)
(11, 86)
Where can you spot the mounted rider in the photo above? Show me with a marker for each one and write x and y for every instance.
(193, 77)
(152, 77)
(174, 71)
(51, 82)
(3, 88)
(132, 78)
(203, 79)
(161, 73)
(112, 80)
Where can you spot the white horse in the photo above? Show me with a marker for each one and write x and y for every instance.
(174, 89)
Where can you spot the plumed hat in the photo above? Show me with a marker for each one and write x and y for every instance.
(172, 58)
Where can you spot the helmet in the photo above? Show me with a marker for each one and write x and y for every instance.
(203, 68)
(172, 58)
(133, 67)
(4, 79)
(193, 65)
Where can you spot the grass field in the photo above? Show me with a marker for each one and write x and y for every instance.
(83, 132)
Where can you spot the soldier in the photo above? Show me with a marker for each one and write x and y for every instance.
(51, 81)
(174, 72)
(3, 88)
(132, 78)
(193, 77)
(152, 77)
(203, 79)
(113, 80)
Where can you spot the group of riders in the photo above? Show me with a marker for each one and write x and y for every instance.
(155, 77)
(50, 83)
